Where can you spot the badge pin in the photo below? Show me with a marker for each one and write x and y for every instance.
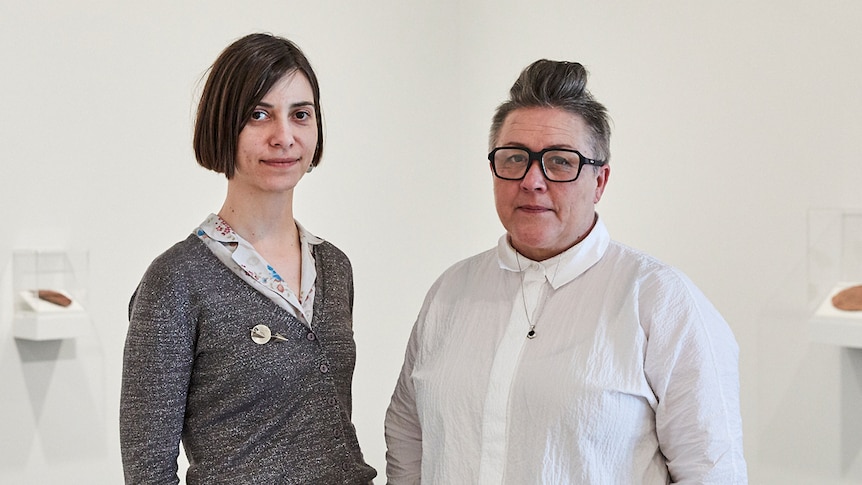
(261, 334)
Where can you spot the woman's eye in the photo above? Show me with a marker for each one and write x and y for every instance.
(517, 159)
(258, 115)
(560, 162)
(303, 115)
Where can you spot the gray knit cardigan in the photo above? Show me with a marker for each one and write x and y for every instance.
(246, 413)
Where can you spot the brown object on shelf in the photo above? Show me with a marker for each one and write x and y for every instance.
(848, 299)
(54, 297)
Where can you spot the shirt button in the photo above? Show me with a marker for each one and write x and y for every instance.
(324, 368)
(310, 336)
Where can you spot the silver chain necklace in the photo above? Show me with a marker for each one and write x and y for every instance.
(531, 334)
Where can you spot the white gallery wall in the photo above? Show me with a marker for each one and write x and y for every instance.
(732, 120)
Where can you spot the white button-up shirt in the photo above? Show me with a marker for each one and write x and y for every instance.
(632, 377)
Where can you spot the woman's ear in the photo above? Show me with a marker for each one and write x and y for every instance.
(602, 176)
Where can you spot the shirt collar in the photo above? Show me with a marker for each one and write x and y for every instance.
(216, 228)
(563, 267)
(305, 236)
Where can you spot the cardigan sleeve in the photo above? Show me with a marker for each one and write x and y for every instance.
(157, 364)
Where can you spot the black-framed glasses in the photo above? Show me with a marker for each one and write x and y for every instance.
(557, 164)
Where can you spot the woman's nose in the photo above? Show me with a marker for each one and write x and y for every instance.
(282, 134)
(534, 179)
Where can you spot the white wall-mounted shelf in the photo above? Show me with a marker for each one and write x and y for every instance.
(830, 325)
(38, 319)
(63, 272)
(834, 264)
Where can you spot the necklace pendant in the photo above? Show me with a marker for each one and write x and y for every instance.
(531, 334)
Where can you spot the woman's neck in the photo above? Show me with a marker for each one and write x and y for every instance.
(259, 219)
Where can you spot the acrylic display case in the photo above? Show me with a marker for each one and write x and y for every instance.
(834, 264)
(49, 294)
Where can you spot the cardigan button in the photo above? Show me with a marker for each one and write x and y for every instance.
(324, 368)
(311, 336)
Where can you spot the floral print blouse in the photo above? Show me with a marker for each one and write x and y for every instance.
(241, 257)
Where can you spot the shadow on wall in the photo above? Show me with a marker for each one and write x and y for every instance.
(53, 410)
(809, 394)
(851, 408)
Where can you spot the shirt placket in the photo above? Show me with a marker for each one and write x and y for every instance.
(492, 465)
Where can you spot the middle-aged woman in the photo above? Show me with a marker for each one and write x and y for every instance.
(562, 356)
(240, 341)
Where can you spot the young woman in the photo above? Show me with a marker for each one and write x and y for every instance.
(240, 341)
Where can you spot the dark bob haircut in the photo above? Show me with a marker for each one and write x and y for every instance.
(241, 76)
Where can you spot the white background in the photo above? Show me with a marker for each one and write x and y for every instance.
(731, 121)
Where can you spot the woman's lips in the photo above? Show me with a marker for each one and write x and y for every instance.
(280, 161)
(534, 209)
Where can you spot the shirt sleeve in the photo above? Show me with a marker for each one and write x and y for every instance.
(692, 365)
(157, 364)
(402, 428)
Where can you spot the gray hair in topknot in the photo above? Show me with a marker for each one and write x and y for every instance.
(562, 85)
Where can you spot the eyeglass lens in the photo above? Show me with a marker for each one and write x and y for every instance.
(513, 163)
